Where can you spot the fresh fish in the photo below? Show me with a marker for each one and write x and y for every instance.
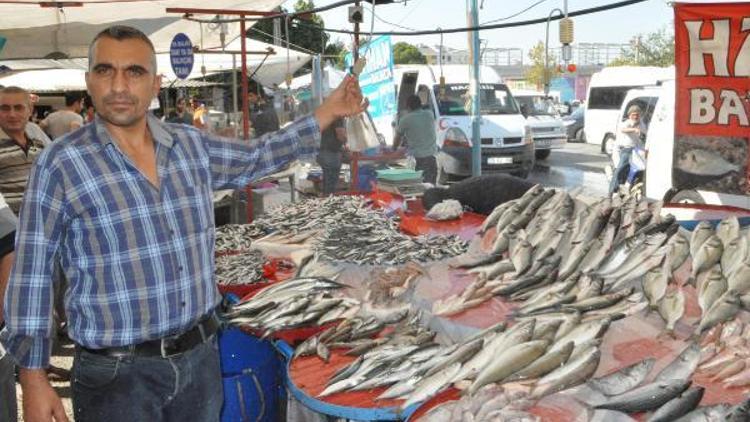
(461, 355)
(495, 215)
(739, 280)
(678, 406)
(582, 333)
(724, 309)
(704, 163)
(740, 412)
(431, 385)
(728, 229)
(701, 233)
(710, 291)
(647, 397)
(598, 302)
(545, 364)
(730, 370)
(521, 257)
(573, 373)
(734, 253)
(741, 379)
(683, 366)
(625, 379)
(707, 255)
(671, 308)
(713, 413)
(508, 362)
(655, 285)
(679, 250)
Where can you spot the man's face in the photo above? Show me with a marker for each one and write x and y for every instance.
(180, 105)
(121, 80)
(634, 116)
(15, 110)
(252, 97)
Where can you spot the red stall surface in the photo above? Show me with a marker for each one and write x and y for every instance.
(310, 374)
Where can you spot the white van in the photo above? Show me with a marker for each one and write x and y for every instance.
(545, 123)
(607, 91)
(507, 145)
(660, 159)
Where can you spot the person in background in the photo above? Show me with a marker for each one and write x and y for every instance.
(180, 114)
(90, 113)
(262, 113)
(200, 115)
(626, 140)
(332, 143)
(66, 120)
(8, 223)
(126, 209)
(417, 130)
(21, 141)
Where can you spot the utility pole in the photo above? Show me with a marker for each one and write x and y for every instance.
(476, 116)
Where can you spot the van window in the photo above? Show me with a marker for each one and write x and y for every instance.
(536, 105)
(607, 98)
(494, 99)
(646, 104)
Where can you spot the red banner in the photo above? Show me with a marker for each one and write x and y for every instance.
(712, 103)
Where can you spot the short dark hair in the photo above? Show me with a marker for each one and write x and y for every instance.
(72, 98)
(121, 33)
(413, 102)
(16, 90)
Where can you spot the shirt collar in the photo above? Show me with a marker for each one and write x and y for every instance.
(31, 138)
(155, 126)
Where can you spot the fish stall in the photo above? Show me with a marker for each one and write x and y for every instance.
(555, 307)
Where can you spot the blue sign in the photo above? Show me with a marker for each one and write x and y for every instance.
(181, 55)
(376, 79)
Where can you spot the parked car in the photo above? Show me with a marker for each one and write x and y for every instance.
(547, 128)
(574, 123)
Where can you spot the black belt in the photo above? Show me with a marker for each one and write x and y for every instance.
(167, 346)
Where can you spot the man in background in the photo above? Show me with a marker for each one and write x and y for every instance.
(66, 120)
(180, 114)
(332, 143)
(417, 130)
(262, 113)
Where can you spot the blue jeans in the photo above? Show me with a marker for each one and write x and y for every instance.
(330, 162)
(624, 160)
(7, 390)
(186, 387)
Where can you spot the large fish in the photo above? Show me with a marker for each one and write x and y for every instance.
(573, 373)
(431, 385)
(545, 364)
(728, 229)
(682, 367)
(655, 285)
(734, 253)
(509, 361)
(647, 397)
(707, 255)
(710, 290)
(678, 406)
(724, 309)
(713, 413)
(701, 233)
(704, 163)
(678, 252)
(672, 308)
(625, 379)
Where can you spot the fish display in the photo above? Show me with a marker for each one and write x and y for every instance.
(236, 237)
(450, 209)
(295, 303)
(725, 355)
(244, 268)
(493, 404)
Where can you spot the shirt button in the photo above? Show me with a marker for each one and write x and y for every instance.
(179, 268)
(182, 303)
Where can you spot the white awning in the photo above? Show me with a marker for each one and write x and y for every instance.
(35, 30)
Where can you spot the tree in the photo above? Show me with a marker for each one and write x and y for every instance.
(653, 49)
(536, 74)
(405, 53)
(335, 52)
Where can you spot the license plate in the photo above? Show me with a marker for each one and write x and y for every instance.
(544, 142)
(500, 160)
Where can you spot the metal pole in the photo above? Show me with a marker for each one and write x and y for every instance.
(546, 52)
(243, 59)
(355, 52)
(476, 116)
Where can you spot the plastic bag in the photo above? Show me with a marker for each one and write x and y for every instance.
(361, 133)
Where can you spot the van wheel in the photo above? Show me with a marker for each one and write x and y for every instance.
(686, 197)
(608, 145)
(542, 154)
(580, 135)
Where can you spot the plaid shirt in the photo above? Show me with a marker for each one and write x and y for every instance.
(138, 259)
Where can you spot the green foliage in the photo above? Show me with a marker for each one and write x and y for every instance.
(653, 49)
(536, 74)
(335, 52)
(405, 53)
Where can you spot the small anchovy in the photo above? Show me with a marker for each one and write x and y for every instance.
(245, 268)
(236, 237)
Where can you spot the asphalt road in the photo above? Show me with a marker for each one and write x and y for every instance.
(576, 165)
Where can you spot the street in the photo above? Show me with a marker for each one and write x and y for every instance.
(578, 164)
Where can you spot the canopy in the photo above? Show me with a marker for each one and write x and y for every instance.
(45, 75)
(38, 29)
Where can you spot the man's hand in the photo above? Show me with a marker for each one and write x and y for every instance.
(40, 401)
(346, 100)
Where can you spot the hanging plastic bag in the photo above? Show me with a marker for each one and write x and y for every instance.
(361, 133)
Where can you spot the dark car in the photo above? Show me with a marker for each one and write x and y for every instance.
(574, 125)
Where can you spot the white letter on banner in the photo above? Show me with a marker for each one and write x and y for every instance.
(701, 106)
(742, 63)
(717, 47)
(731, 104)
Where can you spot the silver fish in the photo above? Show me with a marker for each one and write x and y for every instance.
(705, 163)
(431, 385)
(655, 285)
(647, 397)
(509, 361)
(672, 308)
(683, 366)
(728, 229)
(573, 373)
(701, 233)
(678, 406)
(625, 379)
(707, 255)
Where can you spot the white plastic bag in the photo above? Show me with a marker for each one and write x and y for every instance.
(361, 133)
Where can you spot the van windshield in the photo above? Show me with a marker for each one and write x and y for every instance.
(536, 105)
(494, 99)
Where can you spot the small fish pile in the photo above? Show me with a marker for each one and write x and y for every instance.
(450, 209)
(554, 253)
(379, 242)
(244, 268)
(236, 237)
(490, 404)
(668, 395)
(355, 334)
(725, 356)
(295, 303)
